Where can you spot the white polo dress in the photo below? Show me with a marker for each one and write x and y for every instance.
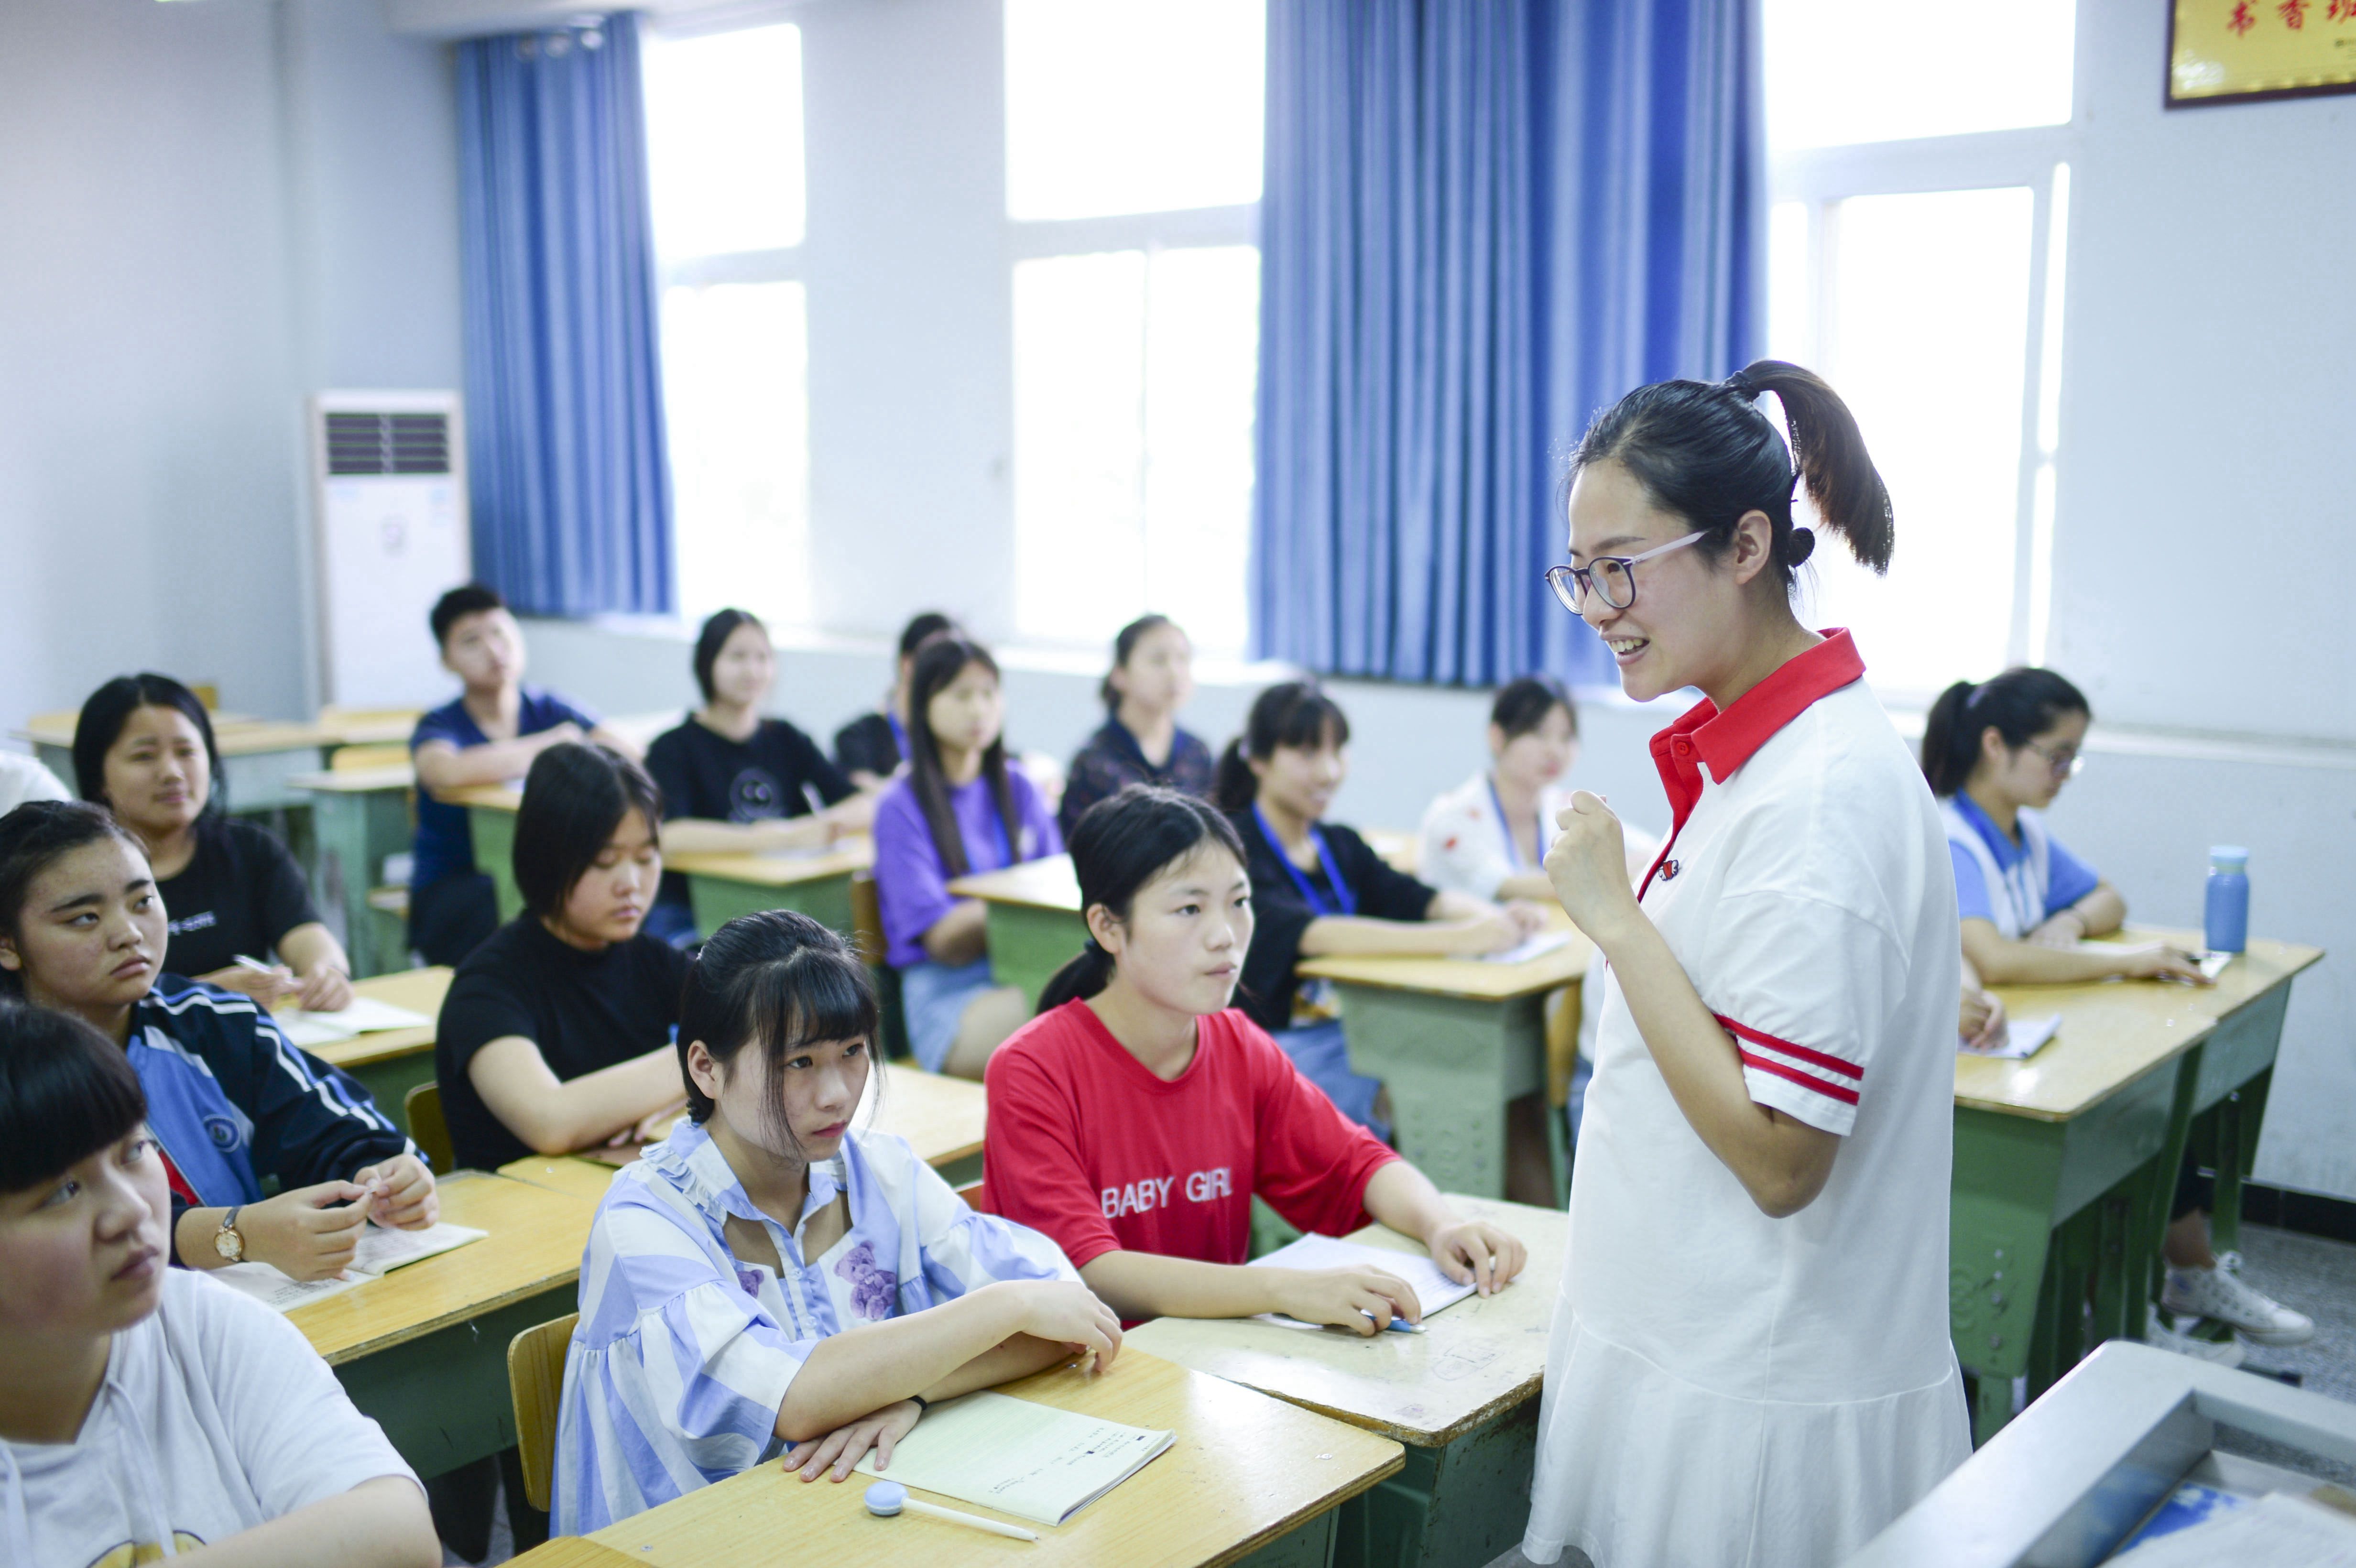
(1724, 1389)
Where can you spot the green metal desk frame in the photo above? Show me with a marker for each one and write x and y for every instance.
(493, 830)
(443, 1398)
(355, 830)
(1028, 943)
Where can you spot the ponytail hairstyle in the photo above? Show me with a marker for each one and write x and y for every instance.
(2021, 705)
(1124, 646)
(32, 838)
(110, 707)
(941, 659)
(1524, 703)
(1118, 848)
(715, 636)
(1704, 451)
(779, 978)
(1296, 713)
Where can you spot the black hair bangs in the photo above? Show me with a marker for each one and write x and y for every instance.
(66, 1092)
(1312, 720)
(810, 999)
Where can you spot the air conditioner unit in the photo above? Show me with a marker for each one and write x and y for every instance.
(389, 479)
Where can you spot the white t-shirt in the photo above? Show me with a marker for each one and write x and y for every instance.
(22, 778)
(1463, 847)
(216, 1415)
(1725, 1387)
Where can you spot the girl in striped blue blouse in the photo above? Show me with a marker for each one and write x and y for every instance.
(769, 1280)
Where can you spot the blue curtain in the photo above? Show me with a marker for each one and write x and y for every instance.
(571, 481)
(1482, 220)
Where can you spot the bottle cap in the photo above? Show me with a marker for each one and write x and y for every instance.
(2229, 856)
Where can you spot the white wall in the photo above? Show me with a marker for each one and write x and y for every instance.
(206, 211)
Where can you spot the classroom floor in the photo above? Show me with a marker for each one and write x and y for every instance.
(2309, 1273)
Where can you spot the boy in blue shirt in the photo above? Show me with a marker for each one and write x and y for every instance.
(488, 735)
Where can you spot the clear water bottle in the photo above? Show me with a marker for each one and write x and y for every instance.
(2227, 921)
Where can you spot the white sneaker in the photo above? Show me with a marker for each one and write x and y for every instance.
(2222, 1293)
(2164, 1335)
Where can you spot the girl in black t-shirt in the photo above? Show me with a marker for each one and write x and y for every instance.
(144, 748)
(556, 1034)
(1318, 890)
(736, 780)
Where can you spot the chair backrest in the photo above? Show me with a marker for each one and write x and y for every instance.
(535, 1379)
(867, 919)
(427, 1130)
(975, 1198)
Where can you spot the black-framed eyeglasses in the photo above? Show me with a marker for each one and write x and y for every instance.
(1613, 577)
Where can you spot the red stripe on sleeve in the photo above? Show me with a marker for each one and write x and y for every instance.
(1806, 1081)
(1758, 1037)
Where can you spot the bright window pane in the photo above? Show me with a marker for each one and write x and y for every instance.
(1938, 394)
(1886, 71)
(735, 370)
(725, 141)
(1133, 405)
(1117, 106)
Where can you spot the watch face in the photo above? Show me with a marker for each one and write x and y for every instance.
(230, 1244)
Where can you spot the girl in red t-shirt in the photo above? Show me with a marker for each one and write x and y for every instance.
(1134, 1119)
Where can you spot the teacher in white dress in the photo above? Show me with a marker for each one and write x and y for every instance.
(1750, 1362)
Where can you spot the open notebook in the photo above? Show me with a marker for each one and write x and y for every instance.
(380, 1251)
(365, 1016)
(1433, 1290)
(1021, 1457)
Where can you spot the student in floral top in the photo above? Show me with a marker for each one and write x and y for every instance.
(768, 1280)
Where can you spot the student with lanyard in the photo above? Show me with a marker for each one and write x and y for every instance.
(488, 734)
(1488, 836)
(1318, 890)
(1996, 755)
(733, 779)
(962, 809)
(1153, 678)
(871, 748)
(773, 1280)
(1135, 1119)
(1750, 1360)
(146, 1411)
(143, 749)
(232, 1103)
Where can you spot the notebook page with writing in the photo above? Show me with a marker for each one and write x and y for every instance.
(1019, 1457)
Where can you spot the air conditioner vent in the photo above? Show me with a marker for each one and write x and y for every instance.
(388, 444)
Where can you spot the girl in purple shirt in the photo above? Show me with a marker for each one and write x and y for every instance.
(958, 810)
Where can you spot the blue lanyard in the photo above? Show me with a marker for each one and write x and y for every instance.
(1512, 850)
(1347, 900)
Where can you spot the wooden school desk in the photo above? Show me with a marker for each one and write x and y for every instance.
(1033, 919)
(359, 815)
(1455, 1040)
(1248, 1479)
(2065, 1162)
(424, 1351)
(490, 818)
(724, 886)
(942, 1118)
(390, 1062)
(1462, 1396)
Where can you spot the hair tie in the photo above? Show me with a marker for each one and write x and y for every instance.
(1977, 692)
(1742, 385)
(1092, 948)
(1798, 545)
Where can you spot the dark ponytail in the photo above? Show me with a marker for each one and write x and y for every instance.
(1124, 646)
(2021, 705)
(1704, 451)
(1296, 713)
(1119, 846)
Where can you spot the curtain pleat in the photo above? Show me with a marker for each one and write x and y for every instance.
(571, 484)
(1481, 221)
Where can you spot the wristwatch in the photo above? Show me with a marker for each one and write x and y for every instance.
(229, 1241)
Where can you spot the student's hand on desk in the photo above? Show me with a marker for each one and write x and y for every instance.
(1589, 868)
(1495, 932)
(1527, 918)
(2064, 931)
(846, 1445)
(1363, 1300)
(2161, 962)
(1474, 1251)
(1982, 1021)
(326, 989)
(404, 1197)
(308, 1233)
(1065, 1312)
(265, 986)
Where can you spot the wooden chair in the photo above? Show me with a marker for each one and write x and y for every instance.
(867, 936)
(535, 1379)
(427, 1130)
